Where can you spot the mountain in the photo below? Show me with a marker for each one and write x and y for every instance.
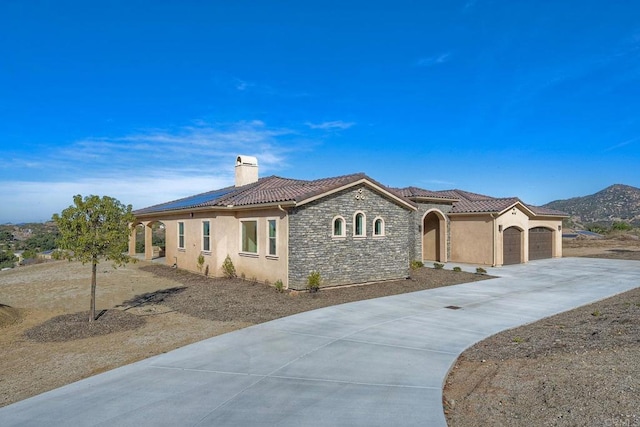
(615, 203)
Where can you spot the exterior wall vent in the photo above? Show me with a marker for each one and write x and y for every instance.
(246, 170)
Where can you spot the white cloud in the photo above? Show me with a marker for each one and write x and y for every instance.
(38, 201)
(142, 168)
(622, 144)
(434, 60)
(336, 124)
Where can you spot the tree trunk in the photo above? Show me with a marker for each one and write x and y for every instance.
(92, 310)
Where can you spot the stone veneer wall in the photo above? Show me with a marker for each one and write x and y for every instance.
(415, 240)
(350, 259)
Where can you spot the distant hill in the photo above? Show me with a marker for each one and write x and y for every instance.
(615, 203)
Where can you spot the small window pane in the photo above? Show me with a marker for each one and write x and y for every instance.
(250, 236)
(337, 227)
(272, 237)
(206, 236)
(181, 235)
(359, 224)
(377, 228)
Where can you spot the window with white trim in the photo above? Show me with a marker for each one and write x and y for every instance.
(378, 227)
(206, 236)
(249, 236)
(272, 237)
(359, 225)
(180, 235)
(338, 227)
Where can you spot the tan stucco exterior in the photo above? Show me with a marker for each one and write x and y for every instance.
(478, 239)
(225, 239)
(472, 239)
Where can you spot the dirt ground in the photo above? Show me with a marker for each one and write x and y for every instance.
(46, 342)
(578, 368)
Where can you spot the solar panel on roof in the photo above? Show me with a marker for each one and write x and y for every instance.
(191, 201)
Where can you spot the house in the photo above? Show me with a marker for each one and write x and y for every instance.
(351, 229)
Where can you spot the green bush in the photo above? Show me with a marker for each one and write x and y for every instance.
(313, 281)
(457, 269)
(438, 266)
(200, 262)
(480, 270)
(621, 226)
(228, 268)
(415, 264)
(279, 285)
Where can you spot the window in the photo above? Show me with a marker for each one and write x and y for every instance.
(180, 235)
(272, 237)
(249, 236)
(338, 227)
(378, 227)
(359, 227)
(206, 236)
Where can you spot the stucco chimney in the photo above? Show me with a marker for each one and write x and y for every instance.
(246, 170)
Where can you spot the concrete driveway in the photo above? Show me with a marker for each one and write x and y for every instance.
(378, 362)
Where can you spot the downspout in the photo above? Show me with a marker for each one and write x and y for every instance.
(494, 243)
(286, 214)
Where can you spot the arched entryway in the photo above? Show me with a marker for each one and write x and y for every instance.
(148, 240)
(434, 237)
(511, 246)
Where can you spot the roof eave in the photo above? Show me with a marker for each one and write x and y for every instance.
(398, 199)
(173, 212)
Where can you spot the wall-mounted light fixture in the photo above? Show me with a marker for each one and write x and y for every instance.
(500, 228)
(559, 228)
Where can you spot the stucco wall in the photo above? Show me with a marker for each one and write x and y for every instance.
(472, 239)
(517, 218)
(349, 259)
(225, 239)
(415, 242)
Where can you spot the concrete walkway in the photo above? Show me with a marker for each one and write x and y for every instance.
(370, 363)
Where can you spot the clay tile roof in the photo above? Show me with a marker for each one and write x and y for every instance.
(538, 210)
(272, 189)
(415, 192)
(483, 205)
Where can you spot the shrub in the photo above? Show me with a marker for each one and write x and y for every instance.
(200, 262)
(621, 226)
(228, 268)
(415, 264)
(313, 281)
(518, 340)
(457, 268)
(279, 285)
(438, 266)
(480, 270)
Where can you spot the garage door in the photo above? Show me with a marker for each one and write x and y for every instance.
(540, 243)
(511, 246)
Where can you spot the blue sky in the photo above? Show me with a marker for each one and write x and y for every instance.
(151, 101)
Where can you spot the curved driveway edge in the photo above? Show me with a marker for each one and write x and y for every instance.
(376, 362)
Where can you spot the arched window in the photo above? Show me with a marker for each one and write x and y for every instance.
(338, 228)
(359, 225)
(378, 227)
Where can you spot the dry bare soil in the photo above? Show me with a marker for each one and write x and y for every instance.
(580, 368)
(145, 309)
